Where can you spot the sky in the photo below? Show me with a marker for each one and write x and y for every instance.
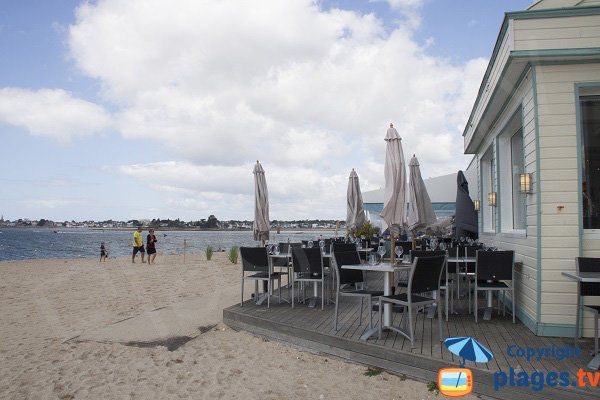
(141, 109)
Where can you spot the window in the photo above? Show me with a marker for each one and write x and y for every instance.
(511, 163)
(487, 179)
(517, 167)
(590, 152)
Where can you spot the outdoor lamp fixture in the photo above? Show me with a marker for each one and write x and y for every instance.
(525, 183)
(476, 205)
(492, 199)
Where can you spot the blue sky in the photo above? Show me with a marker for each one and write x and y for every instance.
(137, 109)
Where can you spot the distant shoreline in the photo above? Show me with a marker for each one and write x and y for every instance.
(57, 228)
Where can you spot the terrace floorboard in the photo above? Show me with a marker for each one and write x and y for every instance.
(312, 328)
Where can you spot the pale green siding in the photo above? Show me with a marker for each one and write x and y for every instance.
(556, 33)
(560, 189)
(524, 245)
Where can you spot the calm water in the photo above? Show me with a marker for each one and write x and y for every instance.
(22, 244)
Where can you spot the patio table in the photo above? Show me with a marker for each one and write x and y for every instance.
(388, 272)
(585, 277)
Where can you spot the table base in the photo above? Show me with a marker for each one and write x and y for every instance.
(373, 331)
(431, 311)
(262, 298)
(312, 302)
(487, 313)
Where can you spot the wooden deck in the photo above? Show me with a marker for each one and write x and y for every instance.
(312, 328)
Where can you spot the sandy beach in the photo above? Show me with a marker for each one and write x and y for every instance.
(59, 338)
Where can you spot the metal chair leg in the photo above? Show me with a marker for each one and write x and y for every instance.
(498, 302)
(469, 290)
(322, 294)
(361, 308)
(446, 295)
(475, 303)
(440, 316)
(269, 293)
(242, 300)
(513, 302)
(452, 301)
(380, 316)
(337, 302)
(411, 328)
(370, 305)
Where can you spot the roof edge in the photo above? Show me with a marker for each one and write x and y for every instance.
(526, 14)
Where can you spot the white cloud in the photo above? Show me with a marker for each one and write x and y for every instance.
(52, 113)
(228, 192)
(405, 3)
(47, 203)
(308, 92)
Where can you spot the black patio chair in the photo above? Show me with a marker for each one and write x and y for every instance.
(347, 282)
(589, 264)
(424, 277)
(343, 247)
(453, 267)
(468, 269)
(492, 270)
(406, 246)
(308, 267)
(256, 261)
(445, 280)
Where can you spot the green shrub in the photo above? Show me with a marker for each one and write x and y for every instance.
(373, 371)
(433, 387)
(233, 254)
(209, 252)
(367, 230)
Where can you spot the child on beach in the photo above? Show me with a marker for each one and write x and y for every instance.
(103, 252)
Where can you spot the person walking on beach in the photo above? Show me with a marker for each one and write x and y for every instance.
(103, 252)
(151, 246)
(138, 244)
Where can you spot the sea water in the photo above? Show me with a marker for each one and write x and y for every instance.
(32, 243)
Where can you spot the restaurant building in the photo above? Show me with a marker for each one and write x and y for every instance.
(534, 131)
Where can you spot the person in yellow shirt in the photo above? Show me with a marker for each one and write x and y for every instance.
(138, 244)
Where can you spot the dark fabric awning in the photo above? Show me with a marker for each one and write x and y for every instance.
(465, 219)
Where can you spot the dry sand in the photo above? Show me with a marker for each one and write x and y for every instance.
(59, 340)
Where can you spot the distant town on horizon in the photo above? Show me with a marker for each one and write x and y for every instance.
(209, 223)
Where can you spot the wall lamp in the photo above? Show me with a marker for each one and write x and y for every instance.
(492, 199)
(525, 183)
(476, 205)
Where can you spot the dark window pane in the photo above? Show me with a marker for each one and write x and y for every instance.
(518, 167)
(590, 174)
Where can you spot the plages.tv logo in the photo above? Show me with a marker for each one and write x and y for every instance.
(458, 382)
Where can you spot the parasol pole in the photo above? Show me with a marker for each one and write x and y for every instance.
(392, 248)
(392, 253)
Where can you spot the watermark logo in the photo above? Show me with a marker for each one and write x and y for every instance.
(455, 382)
(458, 382)
(538, 380)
